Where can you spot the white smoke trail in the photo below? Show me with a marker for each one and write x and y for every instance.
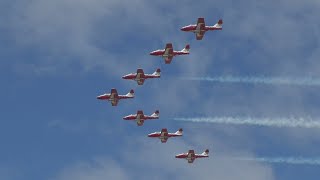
(306, 81)
(284, 160)
(272, 122)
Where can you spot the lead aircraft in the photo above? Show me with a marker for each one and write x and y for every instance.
(140, 117)
(114, 97)
(200, 28)
(191, 156)
(168, 53)
(163, 135)
(140, 76)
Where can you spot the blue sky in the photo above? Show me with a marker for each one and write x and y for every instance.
(57, 56)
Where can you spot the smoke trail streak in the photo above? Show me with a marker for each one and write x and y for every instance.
(283, 160)
(271, 122)
(307, 81)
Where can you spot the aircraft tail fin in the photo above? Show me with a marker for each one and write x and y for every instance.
(155, 114)
(179, 132)
(131, 93)
(218, 25)
(157, 72)
(206, 152)
(186, 49)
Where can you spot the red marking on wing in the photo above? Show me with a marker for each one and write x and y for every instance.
(140, 81)
(168, 60)
(115, 102)
(169, 45)
(140, 112)
(164, 130)
(114, 91)
(140, 71)
(164, 140)
(200, 20)
(191, 152)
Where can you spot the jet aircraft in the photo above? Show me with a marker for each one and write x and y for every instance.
(140, 117)
(191, 156)
(168, 53)
(200, 28)
(114, 98)
(163, 135)
(140, 76)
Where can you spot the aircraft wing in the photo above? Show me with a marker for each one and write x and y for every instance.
(114, 102)
(114, 97)
(168, 59)
(168, 53)
(114, 93)
(164, 135)
(191, 155)
(167, 48)
(140, 73)
(164, 140)
(200, 28)
(140, 81)
(199, 35)
(140, 114)
(200, 22)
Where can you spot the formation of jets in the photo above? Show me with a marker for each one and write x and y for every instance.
(139, 76)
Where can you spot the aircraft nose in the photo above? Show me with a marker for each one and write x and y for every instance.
(183, 29)
(101, 96)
